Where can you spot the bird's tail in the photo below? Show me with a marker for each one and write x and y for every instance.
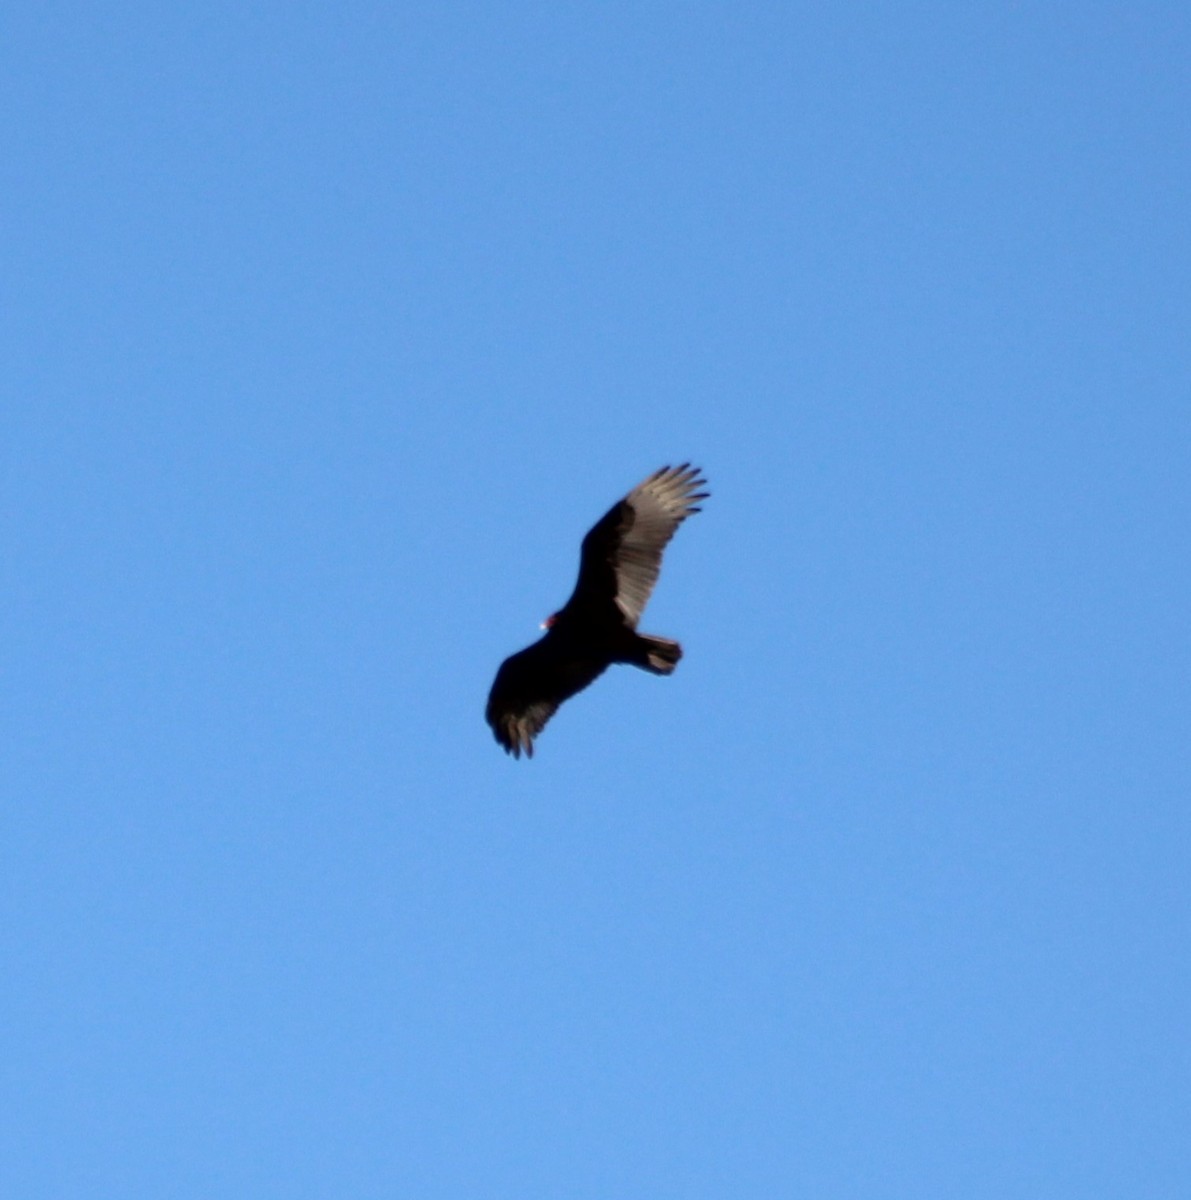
(659, 655)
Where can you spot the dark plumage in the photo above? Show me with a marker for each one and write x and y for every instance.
(618, 567)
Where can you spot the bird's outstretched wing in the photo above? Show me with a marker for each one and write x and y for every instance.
(528, 689)
(622, 552)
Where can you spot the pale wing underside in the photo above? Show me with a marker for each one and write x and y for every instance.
(658, 506)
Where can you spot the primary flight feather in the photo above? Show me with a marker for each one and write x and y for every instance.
(618, 567)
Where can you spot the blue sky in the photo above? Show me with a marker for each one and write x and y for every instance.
(328, 330)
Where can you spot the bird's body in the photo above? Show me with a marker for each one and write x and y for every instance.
(618, 567)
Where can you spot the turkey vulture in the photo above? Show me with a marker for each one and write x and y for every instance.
(618, 566)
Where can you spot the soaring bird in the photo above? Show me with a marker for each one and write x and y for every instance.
(618, 567)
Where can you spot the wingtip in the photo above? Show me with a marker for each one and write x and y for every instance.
(515, 742)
